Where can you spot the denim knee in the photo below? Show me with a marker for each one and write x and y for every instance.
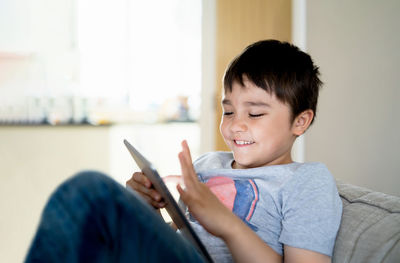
(79, 213)
(88, 178)
(88, 184)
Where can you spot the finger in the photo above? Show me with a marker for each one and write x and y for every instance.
(154, 203)
(161, 204)
(142, 178)
(182, 193)
(155, 195)
(135, 181)
(186, 150)
(188, 179)
(186, 162)
(144, 191)
(152, 197)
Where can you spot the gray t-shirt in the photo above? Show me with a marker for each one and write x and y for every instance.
(294, 204)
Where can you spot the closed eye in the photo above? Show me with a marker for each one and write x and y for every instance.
(256, 115)
(228, 113)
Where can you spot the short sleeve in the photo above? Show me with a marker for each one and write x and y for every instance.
(311, 210)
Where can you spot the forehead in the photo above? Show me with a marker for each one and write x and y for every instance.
(250, 95)
(247, 90)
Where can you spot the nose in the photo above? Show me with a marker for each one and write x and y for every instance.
(238, 125)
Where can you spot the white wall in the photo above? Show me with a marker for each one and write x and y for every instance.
(33, 161)
(208, 68)
(356, 44)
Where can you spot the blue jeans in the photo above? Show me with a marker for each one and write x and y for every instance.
(92, 218)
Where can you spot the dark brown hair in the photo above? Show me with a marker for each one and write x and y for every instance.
(279, 68)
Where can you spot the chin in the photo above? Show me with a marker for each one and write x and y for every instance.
(243, 164)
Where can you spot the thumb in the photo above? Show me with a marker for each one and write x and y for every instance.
(182, 192)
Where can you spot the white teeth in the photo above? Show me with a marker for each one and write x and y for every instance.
(243, 142)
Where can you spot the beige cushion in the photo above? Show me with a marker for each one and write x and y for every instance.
(370, 226)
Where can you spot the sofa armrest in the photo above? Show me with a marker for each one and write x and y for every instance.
(370, 226)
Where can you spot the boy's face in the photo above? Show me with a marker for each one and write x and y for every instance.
(256, 126)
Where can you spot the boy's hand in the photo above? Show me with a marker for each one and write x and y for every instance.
(215, 217)
(244, 244)
(141, 184)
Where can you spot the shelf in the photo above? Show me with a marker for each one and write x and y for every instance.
(15, 55)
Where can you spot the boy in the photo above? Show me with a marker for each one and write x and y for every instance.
(253, 204)
(271, 93)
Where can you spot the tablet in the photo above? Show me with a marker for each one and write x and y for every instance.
(172, 207)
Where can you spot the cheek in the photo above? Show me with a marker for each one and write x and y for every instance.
(271, 129)
(225, 130)
(222, 128)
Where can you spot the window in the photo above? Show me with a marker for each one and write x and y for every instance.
(145, 55)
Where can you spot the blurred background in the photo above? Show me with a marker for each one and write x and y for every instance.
(78, 77)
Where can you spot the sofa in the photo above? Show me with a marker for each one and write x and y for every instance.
(370, 226)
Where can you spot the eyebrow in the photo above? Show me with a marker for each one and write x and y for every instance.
(257, 104)
(248, 103)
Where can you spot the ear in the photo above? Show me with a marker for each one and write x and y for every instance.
(302, 122)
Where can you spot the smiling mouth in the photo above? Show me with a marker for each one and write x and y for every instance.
(242, 143)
